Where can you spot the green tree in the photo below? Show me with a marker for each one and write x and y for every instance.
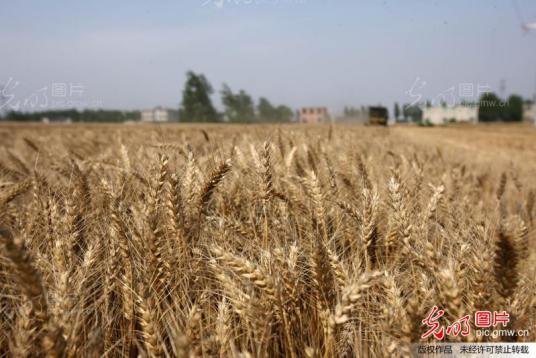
(269, 113)
(266, 111)
(397, 111)
(284, 114)
(514, 109)
(196, 104)
(3, 101)
(490, 108)
(238, 107)
(87, 115)
(412, 113)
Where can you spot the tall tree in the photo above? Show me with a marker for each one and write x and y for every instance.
(396, 111)
(490, 108)
(269, 113)
(266, 111)
(514, 109)
(238, 107)
(412, 113)
(3, 101)
(284, 114)
(196, 104)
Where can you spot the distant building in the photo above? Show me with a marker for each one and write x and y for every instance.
(159, 114)
(47, 120)
(445, 114)
(529, 112)
(313, 115)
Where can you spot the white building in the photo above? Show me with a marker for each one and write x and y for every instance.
(441, 115)
(159, 114)
(314, 115)
(66, 120)
(529, 112)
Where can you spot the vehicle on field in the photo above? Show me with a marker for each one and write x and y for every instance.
(377, 116)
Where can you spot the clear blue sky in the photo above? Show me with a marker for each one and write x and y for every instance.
(134, 54)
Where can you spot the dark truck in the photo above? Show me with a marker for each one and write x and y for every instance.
(377, 116)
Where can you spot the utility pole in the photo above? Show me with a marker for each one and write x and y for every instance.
(533, 104)
(2, 101)
(502, 88)
(534, 94)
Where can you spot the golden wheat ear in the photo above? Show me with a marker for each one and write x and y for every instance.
(215, 178)
(14, 191)
(506, 264)
(30, 284)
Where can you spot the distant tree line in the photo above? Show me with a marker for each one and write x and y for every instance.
(239, 107)
(491, 108)
(196, 106)
(88, 115)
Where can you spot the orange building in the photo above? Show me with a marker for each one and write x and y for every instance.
(314, 115)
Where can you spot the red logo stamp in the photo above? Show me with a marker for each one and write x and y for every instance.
(462, 326)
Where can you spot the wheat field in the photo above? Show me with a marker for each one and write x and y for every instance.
(259, 241)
